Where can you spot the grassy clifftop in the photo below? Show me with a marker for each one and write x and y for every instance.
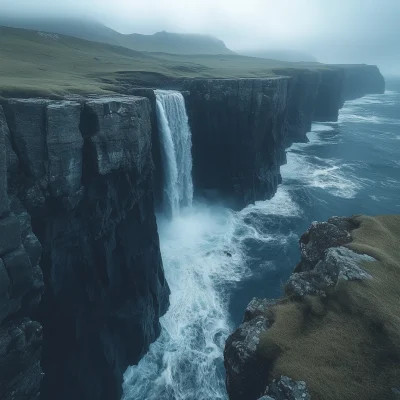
(35, 63)
(347, 345)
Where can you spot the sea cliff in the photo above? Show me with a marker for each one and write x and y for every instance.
(82, 284)
(81, 205)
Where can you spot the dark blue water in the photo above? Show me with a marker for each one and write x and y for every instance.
(217, 260)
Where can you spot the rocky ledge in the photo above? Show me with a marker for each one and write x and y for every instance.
(327, 317)
(81, 278)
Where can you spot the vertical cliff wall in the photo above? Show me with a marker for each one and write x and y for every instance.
(360, 80)
(238, 132)
(83, 171)
(21, 286)
(241, 127)
(304, 87)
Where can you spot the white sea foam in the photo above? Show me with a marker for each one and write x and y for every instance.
(203, 257)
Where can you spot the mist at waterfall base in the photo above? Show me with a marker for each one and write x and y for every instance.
(217, 260)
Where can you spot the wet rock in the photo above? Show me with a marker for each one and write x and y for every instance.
(257, 307)
(21, 342)
(10, 235)
(19, 269)
(246, 371)
(287, 389)
(339, 263)
(318, 238)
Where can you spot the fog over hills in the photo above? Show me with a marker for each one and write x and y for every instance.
(88, 29)
(343, 31)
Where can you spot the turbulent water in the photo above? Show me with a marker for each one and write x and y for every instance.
(216, 260)
(176, 144)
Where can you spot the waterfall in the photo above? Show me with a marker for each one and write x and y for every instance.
(176, 144)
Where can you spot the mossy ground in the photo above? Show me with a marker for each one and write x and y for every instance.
(35, 65)
(346, 346)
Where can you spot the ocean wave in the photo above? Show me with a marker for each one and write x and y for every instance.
(205, 256)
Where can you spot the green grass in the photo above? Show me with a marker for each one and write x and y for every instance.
(31, 64)
(345, 346)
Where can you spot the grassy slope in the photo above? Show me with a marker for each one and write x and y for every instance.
(346, 346)
(91, 30)
(175, 43)
(31, 64)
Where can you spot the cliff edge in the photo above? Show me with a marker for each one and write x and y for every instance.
(80, 259)
(335, 333)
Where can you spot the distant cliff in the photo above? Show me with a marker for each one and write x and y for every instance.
(335, 332)
(242, 127)
(79, 176)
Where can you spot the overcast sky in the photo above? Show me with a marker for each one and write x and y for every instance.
(332, 30)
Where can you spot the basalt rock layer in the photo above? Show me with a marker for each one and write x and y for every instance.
(80, 174)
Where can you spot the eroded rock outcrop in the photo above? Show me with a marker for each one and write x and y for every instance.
(285, 388)
(324, 263)
(81, 171)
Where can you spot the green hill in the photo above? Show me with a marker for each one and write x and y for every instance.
(280, 54)
(94, 31)
(35, 63)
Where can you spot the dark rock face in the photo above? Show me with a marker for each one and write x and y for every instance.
(360, 80)
(21, 342)
(286, 389)
(345, 82)
(81, 175)
(238, 134)
(329, 98)
(321, 236)
(303, 89)
(324, 262)
(245, 371)
(21, 287)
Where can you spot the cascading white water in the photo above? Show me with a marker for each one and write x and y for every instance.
(176, 144)
(204, 258)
